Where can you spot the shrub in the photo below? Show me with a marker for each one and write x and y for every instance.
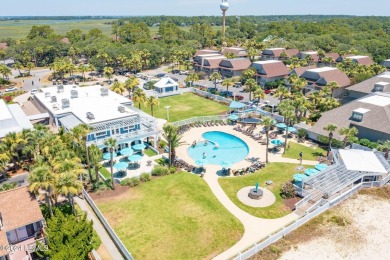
(159, 170)
(172, 170)
(144, 177)
(132, 182)
(302, 133)
(162, 144)
(287, 191)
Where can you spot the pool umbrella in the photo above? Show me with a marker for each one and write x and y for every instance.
(136, 157)
(299, 177)
(321, 166)
(276, 142)
(120, 166)
(233, 117)
(311, 171)
(291, 129)
(281, 126)
(201, 162)
(226, 164)
(126, 151)
(107, 156)
(139, 147)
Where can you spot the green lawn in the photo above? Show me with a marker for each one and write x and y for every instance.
(308, 152)
(150, 152)
(105, 172)
(279, 173)
(172, 217)
(186, 106)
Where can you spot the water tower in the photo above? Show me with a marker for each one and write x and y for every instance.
(224, 7)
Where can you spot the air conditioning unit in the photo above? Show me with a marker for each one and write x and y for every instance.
(104, 91)
(47, 94)
(60, 88)
(74, 93)
(65, 103)
(53, 99)
(121, 109)
(90, 116)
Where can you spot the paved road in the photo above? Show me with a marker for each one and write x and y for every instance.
(106, 240)
(21, 179)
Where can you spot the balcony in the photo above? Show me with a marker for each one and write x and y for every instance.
(26, 248)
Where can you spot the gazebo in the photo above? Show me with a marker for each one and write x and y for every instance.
(166, 85)
(236, 105)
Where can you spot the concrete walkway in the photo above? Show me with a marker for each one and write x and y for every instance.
(106, 240)
(255, 228)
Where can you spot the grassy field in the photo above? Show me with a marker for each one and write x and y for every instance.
(307, 152)
(279, 173)
(172, 217)
(18, 29)
(150, 152)
(186, 106)
(105, 172)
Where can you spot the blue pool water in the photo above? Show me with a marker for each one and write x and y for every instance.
(230, 148)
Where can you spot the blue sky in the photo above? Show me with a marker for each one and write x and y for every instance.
(192, 7)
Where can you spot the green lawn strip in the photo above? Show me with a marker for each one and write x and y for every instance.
(106, 173)
(279, 173)
(308, 152)
(172, 217)
(186, 106)
(150, 152)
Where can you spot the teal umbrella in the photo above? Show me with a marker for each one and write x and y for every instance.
(120, 166)
(126, 151)
(321, 166)
(201, 162)
(233, 117)
(281, 126)
(139, 147)
(226, 164)
(299, 177)
(291, 129)
(277, 142)
(311, 171)
(107, 156)
(136, 157)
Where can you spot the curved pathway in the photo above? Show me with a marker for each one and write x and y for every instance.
(255, 228)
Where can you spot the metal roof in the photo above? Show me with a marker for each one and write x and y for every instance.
(15, 121)
(70, 121)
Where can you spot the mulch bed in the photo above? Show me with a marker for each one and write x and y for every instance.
(109, 193)
(291, 202)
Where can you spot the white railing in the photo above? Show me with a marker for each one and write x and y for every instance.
(297, 223)
(210, 95)
(138, 133)
(200, 119)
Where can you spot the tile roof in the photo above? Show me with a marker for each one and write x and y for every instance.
(300, 71)
(333, 55)
(276, 52)
(270, 69)
(377, 118)
(65, 40)
(367, 86)
(205, 51)
(235, 64)
(313, 55)
(3, 45)
(291, 52)
(240, 52)
(325, 75)
(363, 60)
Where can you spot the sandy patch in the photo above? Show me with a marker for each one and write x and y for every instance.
(266, 200)
(366, 237)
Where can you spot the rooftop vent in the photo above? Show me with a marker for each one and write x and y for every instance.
(380, 86)
(104, 91)
(47, 94)
(90, 116)
(65, 103)
(121, 109)
(60, 88)
(53, 99)
(74, 93)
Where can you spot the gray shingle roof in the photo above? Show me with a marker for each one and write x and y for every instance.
(367, 86)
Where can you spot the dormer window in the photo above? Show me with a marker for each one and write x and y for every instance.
(357, 116)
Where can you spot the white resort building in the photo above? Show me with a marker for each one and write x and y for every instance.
(108, 113)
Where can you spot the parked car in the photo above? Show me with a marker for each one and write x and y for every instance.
(175, 79)
(175, 71)
(160, 75)
(184, 72)
(139, 75)
(34, 91)
(10, 89)
(237, 85)
(223, 93)
(239, 97)
(268, 91)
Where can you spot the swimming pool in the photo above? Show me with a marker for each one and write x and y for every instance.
(219, 147)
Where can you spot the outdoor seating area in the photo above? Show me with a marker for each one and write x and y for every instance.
(184, 128)
(305, 173)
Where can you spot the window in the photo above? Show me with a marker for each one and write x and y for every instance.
(100, 134)
(378, 88)
(357, 116)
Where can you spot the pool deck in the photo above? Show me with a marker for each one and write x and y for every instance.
(255, 228)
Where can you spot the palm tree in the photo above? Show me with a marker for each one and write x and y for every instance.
(139, 96)
(385, 145)
(108, 71)
(251, 86)
(349, 135)
(13, 142)
(42, 179)
(214, 77)
(333, 85)
(259, 93)
(79, 140)
(30, 66)
(191, 78)
(4, 159)
(18, 66)
(267, 122)
(95, 157)
(299, 85)
(118, 87)
(330, 128)
(131, 83)
(111, 144)
(92, 69)
(68, 185)
(174, 140)
(282, 92)
(152, 101)
(228, 83)
(287, 111)
(83, 69)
